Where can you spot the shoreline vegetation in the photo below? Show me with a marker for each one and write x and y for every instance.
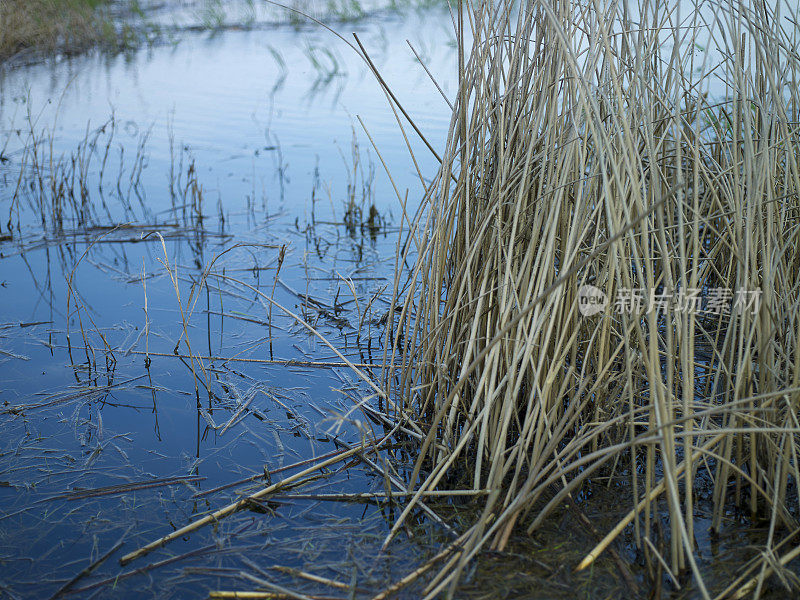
(586, 149)
(40, 28)
(48, 26)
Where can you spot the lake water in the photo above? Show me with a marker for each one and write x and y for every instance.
(267, 116)
(138, 377)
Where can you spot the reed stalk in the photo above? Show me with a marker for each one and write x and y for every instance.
(593, 144)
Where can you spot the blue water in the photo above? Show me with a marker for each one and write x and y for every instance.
(91, 392)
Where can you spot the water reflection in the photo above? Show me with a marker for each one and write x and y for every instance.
(168, 197)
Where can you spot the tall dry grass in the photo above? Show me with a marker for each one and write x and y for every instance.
(49, 25)
(591, 144)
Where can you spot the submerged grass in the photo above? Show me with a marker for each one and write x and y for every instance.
(590, 144)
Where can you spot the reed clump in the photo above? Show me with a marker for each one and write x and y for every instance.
(50, 25)
(595, 144)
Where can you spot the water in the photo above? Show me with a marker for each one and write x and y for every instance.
(115, 429)
(267, 116)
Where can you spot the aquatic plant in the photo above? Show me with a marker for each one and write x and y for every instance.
(360, 212)
(212, 14)
(69, 26)
(98, 183)
(590, 145)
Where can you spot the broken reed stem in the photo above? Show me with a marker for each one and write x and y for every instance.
(225, 595)
(281, 257)
(419, 571)
(87, 571)
(628, 519)
(380, 495)
(84, 494)
(235, 506)
(289, 362)
(312, 577)
(266, 474)
(747, 588)
(140, 570)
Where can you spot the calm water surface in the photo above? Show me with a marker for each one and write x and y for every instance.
(262, 121)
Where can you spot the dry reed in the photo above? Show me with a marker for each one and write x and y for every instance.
(590, 144)
(50, 25)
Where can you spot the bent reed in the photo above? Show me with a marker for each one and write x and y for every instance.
(595, 143)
